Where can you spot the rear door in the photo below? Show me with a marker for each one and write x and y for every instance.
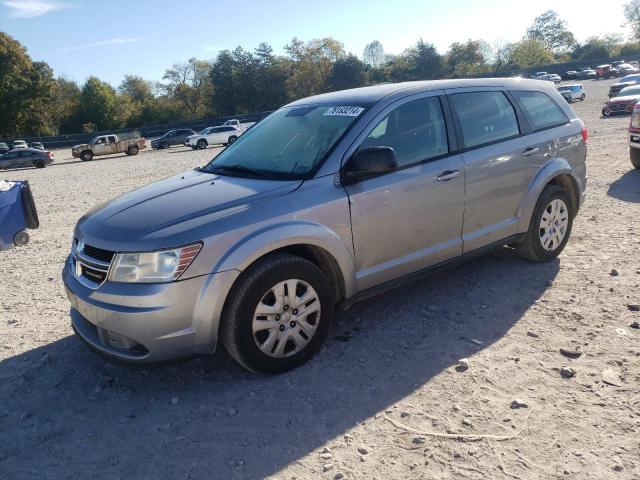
(411, 218)
(496, 163)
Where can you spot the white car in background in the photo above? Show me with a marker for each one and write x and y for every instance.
(222, 135)
(19, 144)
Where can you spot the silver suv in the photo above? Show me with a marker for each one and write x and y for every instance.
(326, 200)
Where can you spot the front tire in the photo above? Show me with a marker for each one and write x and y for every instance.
(550, 226)
(582, 97)
(86, 156)
(278, 314)
(605, 113)
(202, 144)
(634, 156)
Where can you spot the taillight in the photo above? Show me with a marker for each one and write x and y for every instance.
(635, 117)
(585, 134)
(50, 154)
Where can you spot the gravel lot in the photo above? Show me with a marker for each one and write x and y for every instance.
(65, 413)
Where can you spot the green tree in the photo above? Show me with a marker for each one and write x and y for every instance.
(347, 72)
(271, 78)
(465, 59)
(98, 104)
(312, 65)
(528, 53)
(598, 48)
(65, 106)
(552, 32)
(189, 84)
(425, 63)
(26, 90)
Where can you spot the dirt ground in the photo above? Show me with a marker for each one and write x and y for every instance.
(65, 413)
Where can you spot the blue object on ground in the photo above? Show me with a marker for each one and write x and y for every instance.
(17, 213)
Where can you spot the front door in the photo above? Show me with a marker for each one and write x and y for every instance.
(411, 218)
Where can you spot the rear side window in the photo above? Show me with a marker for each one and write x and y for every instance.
(541, 111)
(415, 130)
(485, 117)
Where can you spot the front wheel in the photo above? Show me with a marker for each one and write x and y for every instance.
(86, 156)
(202, 144)
(605, 112)
(278, 314)
(582, 97)
(550, 226)
(634, 155)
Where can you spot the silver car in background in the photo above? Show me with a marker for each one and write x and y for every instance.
(26, 157)
(327, 200)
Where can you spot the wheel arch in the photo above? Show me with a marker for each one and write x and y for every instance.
(556, 172)
(310, 241)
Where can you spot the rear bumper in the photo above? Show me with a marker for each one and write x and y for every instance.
(146, 323)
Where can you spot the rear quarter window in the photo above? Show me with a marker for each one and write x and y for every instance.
(540, 110)
(485, 117)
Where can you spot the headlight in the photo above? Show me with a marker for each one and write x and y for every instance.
(153, 267)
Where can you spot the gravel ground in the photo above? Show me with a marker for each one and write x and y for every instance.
(65, 413)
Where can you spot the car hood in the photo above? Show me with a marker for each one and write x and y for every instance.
(625, 99)
(177, 210)
(80, 145)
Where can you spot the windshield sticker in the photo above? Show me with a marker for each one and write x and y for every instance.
(344, 111)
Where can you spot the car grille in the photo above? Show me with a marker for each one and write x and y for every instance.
(90, 264)
(98, 253)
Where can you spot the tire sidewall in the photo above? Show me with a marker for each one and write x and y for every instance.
(547, 197)
(246, 300)
(202, 144)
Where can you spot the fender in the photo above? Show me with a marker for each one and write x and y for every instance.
(273, 237)
(551, 169)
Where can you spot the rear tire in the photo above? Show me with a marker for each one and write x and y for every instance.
(231, 139)
(202, 144)
(582, 97)
(132, 150)
(634, 156)
(550, 226)
(164, 145)
(39, 164)
(86, 156)
(291, 340)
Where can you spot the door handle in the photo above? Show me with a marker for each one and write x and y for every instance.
(530, 151)
(448, 175)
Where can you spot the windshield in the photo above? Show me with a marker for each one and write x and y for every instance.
(629, 91)
(204, 131)
(290, 143)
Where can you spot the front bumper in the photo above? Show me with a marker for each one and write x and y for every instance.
(145, 323)
(634, 138)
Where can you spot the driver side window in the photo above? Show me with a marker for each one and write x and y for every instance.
(415, 130)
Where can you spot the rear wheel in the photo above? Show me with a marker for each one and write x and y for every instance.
(278, 314)
(232, 139)
(605, 112)
(39, 164)
(202, 144)
(132, 150)
(634, 155)
(86, 156)
(550, 226)
(164, 145)
(582, 97)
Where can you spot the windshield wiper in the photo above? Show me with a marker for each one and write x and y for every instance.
(237, 169)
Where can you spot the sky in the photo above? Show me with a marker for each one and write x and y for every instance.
(143, 37)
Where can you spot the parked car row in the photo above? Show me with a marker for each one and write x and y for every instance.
(19, 144)
(223, 134)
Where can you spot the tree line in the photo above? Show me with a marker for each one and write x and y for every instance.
(36, 102)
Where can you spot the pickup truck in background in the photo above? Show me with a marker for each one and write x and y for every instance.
(129, 144)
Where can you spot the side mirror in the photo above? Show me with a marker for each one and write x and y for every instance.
(369, 162)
